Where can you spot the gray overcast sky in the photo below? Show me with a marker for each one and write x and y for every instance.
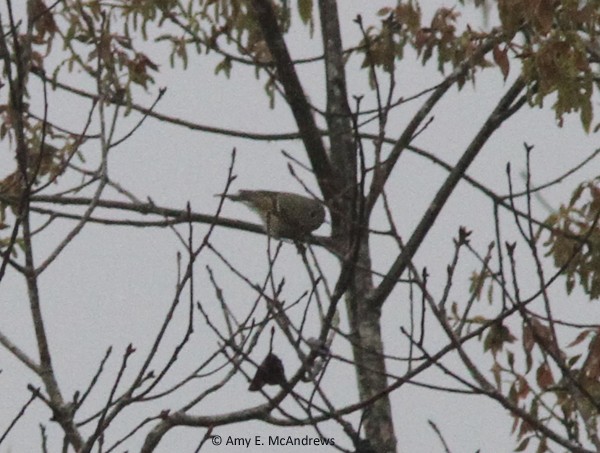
(112, 286)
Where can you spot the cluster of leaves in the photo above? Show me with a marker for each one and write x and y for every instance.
(222, 27)
(573, 397)
(85, 31)
(574, 242)
(554, 387)
(403, 25)
(552, 39)
(533, 385)
(210, 26)
(554, 52)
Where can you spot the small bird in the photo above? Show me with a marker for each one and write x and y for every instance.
(285, 214)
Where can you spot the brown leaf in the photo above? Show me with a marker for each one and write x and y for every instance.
(544, 15)
(523, 388)
(582, 336)
(270, 372)
(542, 335)
(591, 366)
(544, 376)
(501, 59)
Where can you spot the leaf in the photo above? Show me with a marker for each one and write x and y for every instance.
(573, 360)
(305, 8)
(270, 372)
(496, 337)
(523, 445)
(477, 282)
(544, 15)
(576, 194)
(524, 388)
(497, 372)
(582, 336)
(385, 11)
(510, 359)
(501, 59)
(544, 376)
(587, 114)
(591, 366)
(224, 66)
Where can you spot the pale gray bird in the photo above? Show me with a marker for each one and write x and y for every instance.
(285, 214)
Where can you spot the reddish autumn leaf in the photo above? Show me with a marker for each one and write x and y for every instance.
(523, 388)
(582, 336)
(544, 376)
(501, 59)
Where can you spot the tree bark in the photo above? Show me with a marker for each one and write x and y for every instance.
(347, 221)
(369, 361)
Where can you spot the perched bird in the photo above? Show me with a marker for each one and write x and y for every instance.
(285, 214)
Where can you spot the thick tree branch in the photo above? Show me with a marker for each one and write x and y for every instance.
(383, 172)
(341, 139)
(495, 119)
(295, 96)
